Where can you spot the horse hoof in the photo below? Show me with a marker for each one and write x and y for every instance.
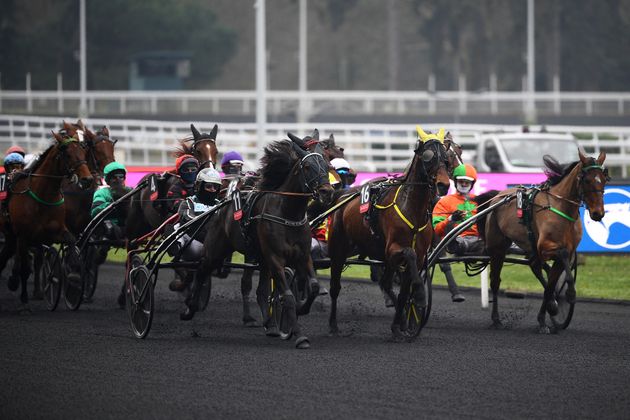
(302, 343)
(24, 310)
(334, 331)
(121, 301)
(187, 315)
(497, 325)
(87, 300)
(249, 322)
(272, 331)
(543, 329)
(39, 295)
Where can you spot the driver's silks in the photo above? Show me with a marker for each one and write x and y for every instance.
(519, 204)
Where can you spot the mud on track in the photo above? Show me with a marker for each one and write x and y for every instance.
(87, 364)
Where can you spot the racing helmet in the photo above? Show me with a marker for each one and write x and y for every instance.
(15, 149)
(14, 159)
(466, 172)
(184, 160)
(209, 175)
(340, 165)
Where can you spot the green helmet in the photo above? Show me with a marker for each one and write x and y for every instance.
(114, 166)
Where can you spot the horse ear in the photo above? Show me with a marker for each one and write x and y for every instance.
(421, 134)
(331, 139)
(56, 136)
(80, 124)
(105, 131)
(440, 134)
(195, 132)
(298, 149)
(601, 158)
(213, 133)
(583, 156)
(295, 139)
(315, 134)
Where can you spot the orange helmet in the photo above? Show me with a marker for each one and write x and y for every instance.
(465, 171)
(15, 149)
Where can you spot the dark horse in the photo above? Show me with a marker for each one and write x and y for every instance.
(402, 236)
(552, 228)
(36, 208)
(276, 229)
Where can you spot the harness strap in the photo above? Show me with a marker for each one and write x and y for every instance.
(562, 214)
(47, 203)
(280, 220)
(402, 216)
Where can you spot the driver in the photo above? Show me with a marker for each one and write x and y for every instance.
(206, 192)
(186, 167)
(115, 175)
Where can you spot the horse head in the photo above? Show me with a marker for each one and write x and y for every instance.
(331, 150)
(203, 147)
(592, 180)
(432, 153)
(313, 167)
(71, 158)
(100, 149)
(453, 159)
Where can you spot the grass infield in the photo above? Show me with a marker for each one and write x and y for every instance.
(606, 277)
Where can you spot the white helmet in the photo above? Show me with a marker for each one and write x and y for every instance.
(209, 175)
(340, 163)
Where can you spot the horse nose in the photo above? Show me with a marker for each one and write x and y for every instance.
(325, 194)
(85, 182)
(597, 215)
(442, 188)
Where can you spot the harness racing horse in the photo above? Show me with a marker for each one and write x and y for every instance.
(78, 201)
(551, 228)
(149, 208)
(36, 208)
(402, 237)
(275, 230)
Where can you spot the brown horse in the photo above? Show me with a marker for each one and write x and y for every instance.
(401, 239)
(550, 230)
(277, 230)
(36, 208)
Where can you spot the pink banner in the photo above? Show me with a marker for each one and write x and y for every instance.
(484, 182)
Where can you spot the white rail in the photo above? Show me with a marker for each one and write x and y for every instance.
(282, 103)
(369, 147)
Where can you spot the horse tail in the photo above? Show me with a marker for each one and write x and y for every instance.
(482, 200)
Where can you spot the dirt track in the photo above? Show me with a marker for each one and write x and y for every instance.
(87, 364)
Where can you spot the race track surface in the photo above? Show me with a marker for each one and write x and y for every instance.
(87, 364)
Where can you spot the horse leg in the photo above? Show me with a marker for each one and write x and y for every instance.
(288, 302)
(496, 265)
(307, 272)
(246, 288)
(38, 262)
(337, 260)
(410, 283)
(25, 272)
(385, 284)
(263, 296)
(550, 302)
(8, 251)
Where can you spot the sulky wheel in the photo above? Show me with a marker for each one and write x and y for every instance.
(428, 287)
(52, 277)
(89, 273)
(73, 285)
(139, 300)
(565, 308)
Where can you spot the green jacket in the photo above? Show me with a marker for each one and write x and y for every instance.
(103, 198)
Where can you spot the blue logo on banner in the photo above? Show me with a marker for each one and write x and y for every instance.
(612, 233)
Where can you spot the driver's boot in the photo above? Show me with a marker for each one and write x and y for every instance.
(456, 296)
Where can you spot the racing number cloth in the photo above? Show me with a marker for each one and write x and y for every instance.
(446, 206)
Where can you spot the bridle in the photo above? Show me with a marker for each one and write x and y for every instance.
(318, 172)
(91, 144)
(199, 141)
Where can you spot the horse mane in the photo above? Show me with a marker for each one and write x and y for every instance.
(41, 159)
(555, 171)
(184, 148)
(277, 161)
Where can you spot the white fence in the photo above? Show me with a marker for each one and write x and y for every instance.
(369, 147)
(311, 103)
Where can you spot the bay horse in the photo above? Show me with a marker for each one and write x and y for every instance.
(275, 228)
(552, 228)
(37, 208)
(402, 238)
(148, 209)
(78, 201)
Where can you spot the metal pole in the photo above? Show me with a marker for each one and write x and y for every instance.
(303, 57)
(261, 73)
(531, 64)
(83, 60)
